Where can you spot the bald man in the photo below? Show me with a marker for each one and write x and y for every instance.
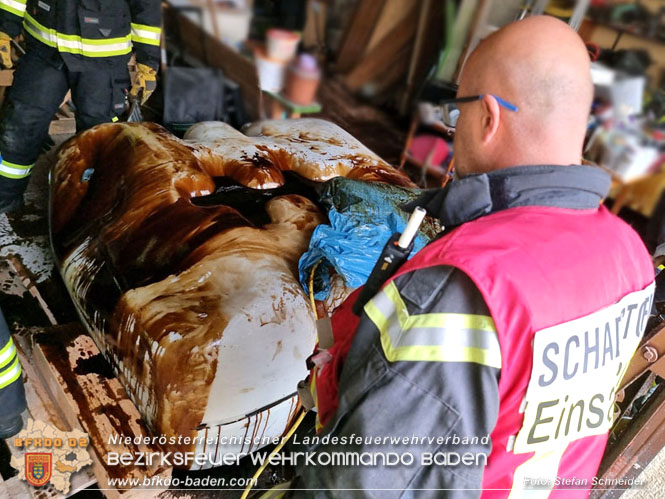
(488, 364)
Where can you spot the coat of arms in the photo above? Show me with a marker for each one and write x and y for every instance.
(38, 468)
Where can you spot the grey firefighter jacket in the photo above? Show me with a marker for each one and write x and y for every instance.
(432, 407)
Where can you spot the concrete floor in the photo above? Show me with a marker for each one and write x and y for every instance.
(654, 481)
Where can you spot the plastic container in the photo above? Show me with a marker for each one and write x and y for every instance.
(282, 44)
(302, 81)
(271, 72)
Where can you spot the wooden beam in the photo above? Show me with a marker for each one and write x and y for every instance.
(381, 57)
(39, 401)
(395, 73)
(41, 408)
(358, 34)
(393, 12)
(425, 10)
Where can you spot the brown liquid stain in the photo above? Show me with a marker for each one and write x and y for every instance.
(278, 349)
(158, 273)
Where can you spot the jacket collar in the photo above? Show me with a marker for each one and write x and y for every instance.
(578, 187)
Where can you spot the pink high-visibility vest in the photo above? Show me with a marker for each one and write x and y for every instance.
(570, 292)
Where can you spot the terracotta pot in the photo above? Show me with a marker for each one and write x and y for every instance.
(301, 85)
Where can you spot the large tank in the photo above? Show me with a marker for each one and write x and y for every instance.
(181, 258)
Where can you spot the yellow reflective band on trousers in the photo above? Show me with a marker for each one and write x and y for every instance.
(438, 337)
(16, 7)
(12, 170)
(10, 368)
(150, 35)
(74, 44)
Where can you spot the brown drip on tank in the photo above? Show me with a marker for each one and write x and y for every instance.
(219, 431)
(157, 250)
(245, 435)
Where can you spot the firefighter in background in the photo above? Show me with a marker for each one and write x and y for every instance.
(12, 393)
(77, 45)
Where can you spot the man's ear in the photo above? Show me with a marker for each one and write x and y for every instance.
(490, 118)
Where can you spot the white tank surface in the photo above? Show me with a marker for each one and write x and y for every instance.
(181, 257)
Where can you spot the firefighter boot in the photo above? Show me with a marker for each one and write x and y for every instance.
(10, 427)
(11, 193)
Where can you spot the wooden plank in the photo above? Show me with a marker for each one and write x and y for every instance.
(62, 126)
(393, 12)
(6, 77)
(17, 268)
(380, 59)
(93, 400)
(40, 405)
(387, 83)
(41, 408)
(358, 34)
(625, 458)
(314, 31)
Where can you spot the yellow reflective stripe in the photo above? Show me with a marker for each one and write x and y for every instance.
(7, 354)
(457, 321)
(146, 27)
(12, 11)
(11, 374)
(74, 44)
(12, 175)
(16, 7)
(16, 165)
(8, 346)
(42, 33)
(149, 35)
(439, 337)
(147, 41)
(91, 41)
(12, 170)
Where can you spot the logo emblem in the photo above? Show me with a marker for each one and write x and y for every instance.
(38, 468)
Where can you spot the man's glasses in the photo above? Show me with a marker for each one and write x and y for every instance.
(451, 110)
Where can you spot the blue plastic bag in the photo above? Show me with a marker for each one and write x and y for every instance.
(363, 216)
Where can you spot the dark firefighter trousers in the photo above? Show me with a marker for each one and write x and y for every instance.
(40, 85)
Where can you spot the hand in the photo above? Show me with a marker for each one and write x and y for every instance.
(145, 84)
(6, 50)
